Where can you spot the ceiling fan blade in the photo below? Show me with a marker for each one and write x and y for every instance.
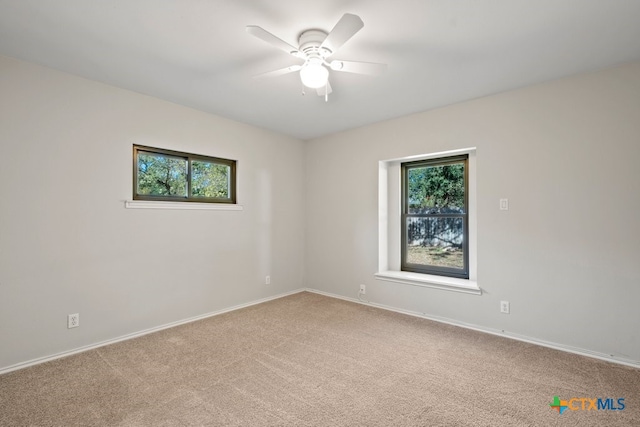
(369, 68)
(346, 28)
(279, 72)
(266, 36)
(322, 91)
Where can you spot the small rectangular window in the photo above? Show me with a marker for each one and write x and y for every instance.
(435, 217)
(168, 175)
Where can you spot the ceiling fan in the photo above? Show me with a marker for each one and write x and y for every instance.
(315, 47)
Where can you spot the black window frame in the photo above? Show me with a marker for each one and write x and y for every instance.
(421, 268)
(189, 157)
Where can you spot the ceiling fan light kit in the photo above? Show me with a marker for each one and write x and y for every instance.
(314, 75)
(314, 47)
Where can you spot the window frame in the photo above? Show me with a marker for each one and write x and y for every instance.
(189, 157)
(404, 202)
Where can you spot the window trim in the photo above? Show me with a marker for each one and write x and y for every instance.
(389, 229)
(189, 157)
(156, 204)
(430, 281)
(424, 269)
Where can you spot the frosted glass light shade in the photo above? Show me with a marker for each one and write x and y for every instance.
(314, 75)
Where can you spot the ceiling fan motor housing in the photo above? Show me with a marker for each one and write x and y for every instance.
(310, 42)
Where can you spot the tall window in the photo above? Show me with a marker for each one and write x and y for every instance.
(435, 223)
(175, 176)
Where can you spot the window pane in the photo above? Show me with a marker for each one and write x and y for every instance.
(161, 175)
(436, 242)
(210, 179)
(436, 189)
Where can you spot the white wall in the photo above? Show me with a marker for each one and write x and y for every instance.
(565, 255)
(68, 245)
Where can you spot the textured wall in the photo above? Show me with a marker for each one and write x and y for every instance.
(565, 255)
(68, 245)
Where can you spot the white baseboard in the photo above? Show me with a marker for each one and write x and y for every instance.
(569, 349)
(561, 347)
(44, 359)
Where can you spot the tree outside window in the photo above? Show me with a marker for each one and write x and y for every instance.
(435, 217)
(175, 176)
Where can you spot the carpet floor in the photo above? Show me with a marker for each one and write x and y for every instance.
(311, 360)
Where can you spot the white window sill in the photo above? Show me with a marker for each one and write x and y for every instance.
(144, 204)
(430, 281)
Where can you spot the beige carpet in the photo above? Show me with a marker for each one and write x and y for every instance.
(309, 360)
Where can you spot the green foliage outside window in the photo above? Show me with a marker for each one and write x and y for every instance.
(434, 223)
(210, 179)
(175, 176)
(160, 175)
(436, 189)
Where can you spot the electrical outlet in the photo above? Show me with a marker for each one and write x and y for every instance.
(73, 321)
(267, 280)
(504, 307)
(363, 290)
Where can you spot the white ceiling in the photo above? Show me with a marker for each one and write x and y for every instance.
(197, 52)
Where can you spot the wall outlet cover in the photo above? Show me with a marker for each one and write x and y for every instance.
(73, 320)
(504, 307)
